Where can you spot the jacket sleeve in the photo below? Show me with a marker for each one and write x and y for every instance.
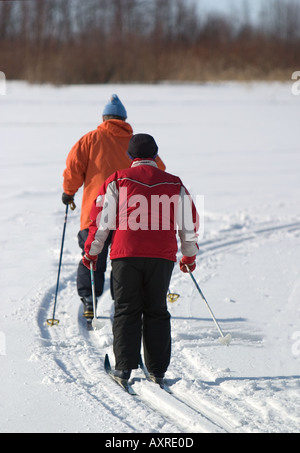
(188, 224)
(76, 167)
(103, 217)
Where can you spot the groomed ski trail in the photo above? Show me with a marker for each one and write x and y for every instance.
(81, 367)
(211, 400)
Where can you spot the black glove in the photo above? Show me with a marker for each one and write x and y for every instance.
(68, 199)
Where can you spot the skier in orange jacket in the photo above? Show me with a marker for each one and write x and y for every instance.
(90, 162)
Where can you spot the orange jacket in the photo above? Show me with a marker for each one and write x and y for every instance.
(95, 157)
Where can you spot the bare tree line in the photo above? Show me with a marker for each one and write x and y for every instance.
(101, 41)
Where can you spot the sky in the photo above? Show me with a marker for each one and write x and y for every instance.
(237, 7)
(254, 6)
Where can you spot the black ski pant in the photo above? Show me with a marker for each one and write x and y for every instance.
(84, 287)
(140, 288)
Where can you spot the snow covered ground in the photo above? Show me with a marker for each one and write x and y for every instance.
(238, 145)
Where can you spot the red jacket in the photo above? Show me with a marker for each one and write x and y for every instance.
(144, 206)
(94, 158)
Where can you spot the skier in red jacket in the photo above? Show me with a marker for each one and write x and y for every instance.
(144, 206)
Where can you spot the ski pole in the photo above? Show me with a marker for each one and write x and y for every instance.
(96, 323)
(52, 321)
(223, 339)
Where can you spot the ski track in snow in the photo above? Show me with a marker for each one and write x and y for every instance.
(205, 398)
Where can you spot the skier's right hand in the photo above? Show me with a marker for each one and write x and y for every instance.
(187, 264)
(90, 259)
(68, 199)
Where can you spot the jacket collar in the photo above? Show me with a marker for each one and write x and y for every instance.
(117, 127)
(138, 162)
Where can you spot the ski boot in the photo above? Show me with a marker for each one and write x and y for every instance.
(88, 309)
(157, 378)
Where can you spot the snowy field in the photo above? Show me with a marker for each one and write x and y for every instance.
(238, 145)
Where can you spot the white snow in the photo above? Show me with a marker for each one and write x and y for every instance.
(236, 144)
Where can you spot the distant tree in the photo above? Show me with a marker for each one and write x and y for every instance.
(101, 41)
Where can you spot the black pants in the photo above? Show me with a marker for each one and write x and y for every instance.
(140, 290)
(84, 287)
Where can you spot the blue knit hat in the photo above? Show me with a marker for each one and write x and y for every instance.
(115, 107)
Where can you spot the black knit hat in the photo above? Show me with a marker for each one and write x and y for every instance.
(142, 146)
